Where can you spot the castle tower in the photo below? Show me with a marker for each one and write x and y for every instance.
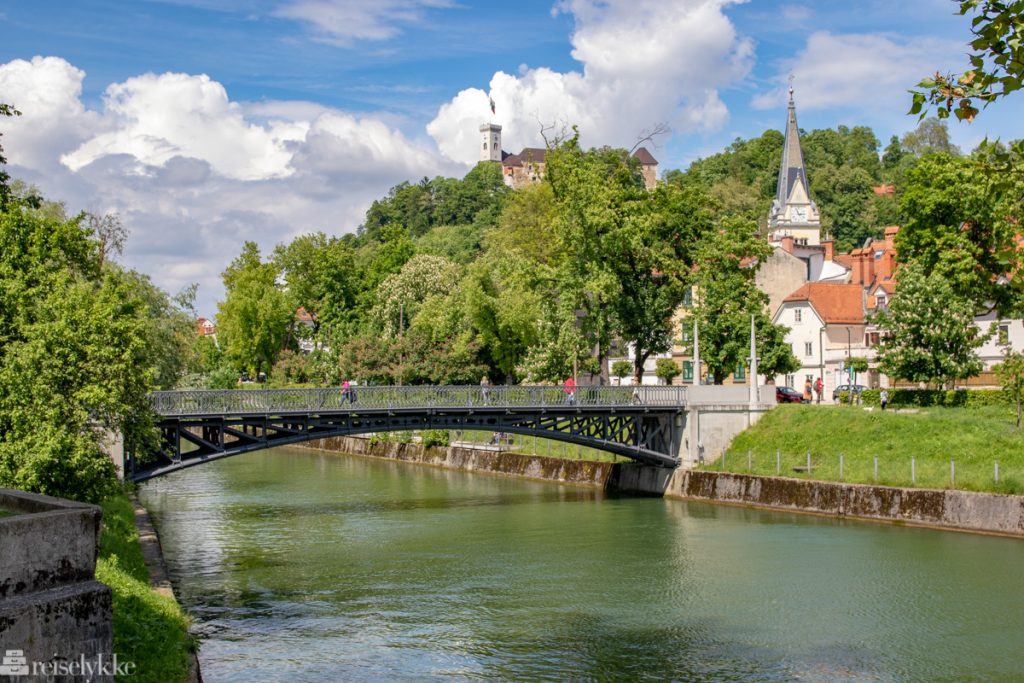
(490, 133)
(793, 213)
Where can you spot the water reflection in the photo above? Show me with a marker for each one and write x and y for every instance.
(300, 565)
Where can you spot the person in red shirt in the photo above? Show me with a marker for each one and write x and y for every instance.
(570, 390)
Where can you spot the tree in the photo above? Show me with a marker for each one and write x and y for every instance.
(629, 252)
(503, 305)
(321, 275)
(728, 296)
(74, 358)
(399, 295)
(930, 334)
(621, 368)
(666, 370)
(5, 189)
(930, 137)
(996, 65)
(1011, 375)
(856, 365)
(256, 316)
(959, 219)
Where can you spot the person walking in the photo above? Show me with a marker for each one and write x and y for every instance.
(807, 390)
(570, 390)
(346, 392)
(819, 387)
(883, 398)
(485, 383)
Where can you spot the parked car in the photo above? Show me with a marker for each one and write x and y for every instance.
(788, 395)
(857, 388)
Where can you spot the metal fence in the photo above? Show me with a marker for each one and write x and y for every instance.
(965, 473)
(312, 400)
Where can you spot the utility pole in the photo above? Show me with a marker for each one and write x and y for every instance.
(753, 363)
(696, 355)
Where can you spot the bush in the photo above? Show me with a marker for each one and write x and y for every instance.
(937, 398)
(434, 437)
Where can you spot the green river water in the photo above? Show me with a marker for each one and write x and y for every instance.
(299, 565)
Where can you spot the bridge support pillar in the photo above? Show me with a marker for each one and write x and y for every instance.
(638, 479)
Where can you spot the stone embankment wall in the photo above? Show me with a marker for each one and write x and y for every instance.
(579, 472)
(962, 510)
(51, 607)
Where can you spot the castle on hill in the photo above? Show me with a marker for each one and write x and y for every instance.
(527, 167)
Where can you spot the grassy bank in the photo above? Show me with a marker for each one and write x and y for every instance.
(150, 629)
(975, 439)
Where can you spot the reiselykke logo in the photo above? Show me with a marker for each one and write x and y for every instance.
(16, 664)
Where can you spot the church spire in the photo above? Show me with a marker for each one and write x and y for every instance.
(793, 213)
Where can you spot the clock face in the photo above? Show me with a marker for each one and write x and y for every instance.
(799, 213)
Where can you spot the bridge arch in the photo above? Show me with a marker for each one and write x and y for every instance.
(201, 426)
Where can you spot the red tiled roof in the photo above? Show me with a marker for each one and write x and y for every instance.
(533, 155)
(883, 189)
(833, 302)
(644, 157)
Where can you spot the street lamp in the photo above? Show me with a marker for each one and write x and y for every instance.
(821, 360)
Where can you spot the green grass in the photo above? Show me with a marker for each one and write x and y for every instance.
(150, 629)
(973, 438)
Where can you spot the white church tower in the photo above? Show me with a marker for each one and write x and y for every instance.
(793, 213)
(490, 133)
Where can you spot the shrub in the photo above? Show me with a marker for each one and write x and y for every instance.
(937, 398)
(434, 437)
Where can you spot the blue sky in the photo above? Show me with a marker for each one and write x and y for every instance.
(205, 123)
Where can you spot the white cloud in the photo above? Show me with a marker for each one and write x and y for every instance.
(856, 70)
(645, 62)
(155, 118)
(342, 22)
(46, 90)
(194, 174)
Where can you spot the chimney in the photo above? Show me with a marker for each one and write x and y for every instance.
(829, 249)
(787, 243)
(890, 233)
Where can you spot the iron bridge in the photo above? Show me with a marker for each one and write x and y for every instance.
(196, 427)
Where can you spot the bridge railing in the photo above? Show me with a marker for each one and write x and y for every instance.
(311, 400)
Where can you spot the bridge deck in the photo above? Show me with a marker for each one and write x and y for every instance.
(200, 426)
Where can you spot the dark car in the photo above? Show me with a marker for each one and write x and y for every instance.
(788, 395)
(857, 388)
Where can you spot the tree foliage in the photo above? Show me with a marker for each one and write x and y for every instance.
(930, 334)
(1011, 376)
(996, 63)
(728, 297)
(75, 359)
(256, 316)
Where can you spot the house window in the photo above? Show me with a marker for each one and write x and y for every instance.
(687, 333)
(1004, 334)
(798, 315)
(485, 144)
(741, 374)
(808, 348)
(687, 371)
(878, 255)
(880, 300)
(688, 297)
(790, 379)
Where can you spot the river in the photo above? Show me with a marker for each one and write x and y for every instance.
(301, 565)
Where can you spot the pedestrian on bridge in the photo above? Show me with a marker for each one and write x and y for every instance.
(346, 392)
(570, 390)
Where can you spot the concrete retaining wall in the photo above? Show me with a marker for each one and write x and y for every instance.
(966, 510)
(51, 608)
(963, 510)
(578, 472)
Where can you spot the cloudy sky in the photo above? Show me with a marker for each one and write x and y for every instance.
(205, 123)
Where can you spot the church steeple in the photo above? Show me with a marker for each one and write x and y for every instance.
(793, 213)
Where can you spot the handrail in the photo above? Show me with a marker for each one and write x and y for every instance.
(361, 398)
